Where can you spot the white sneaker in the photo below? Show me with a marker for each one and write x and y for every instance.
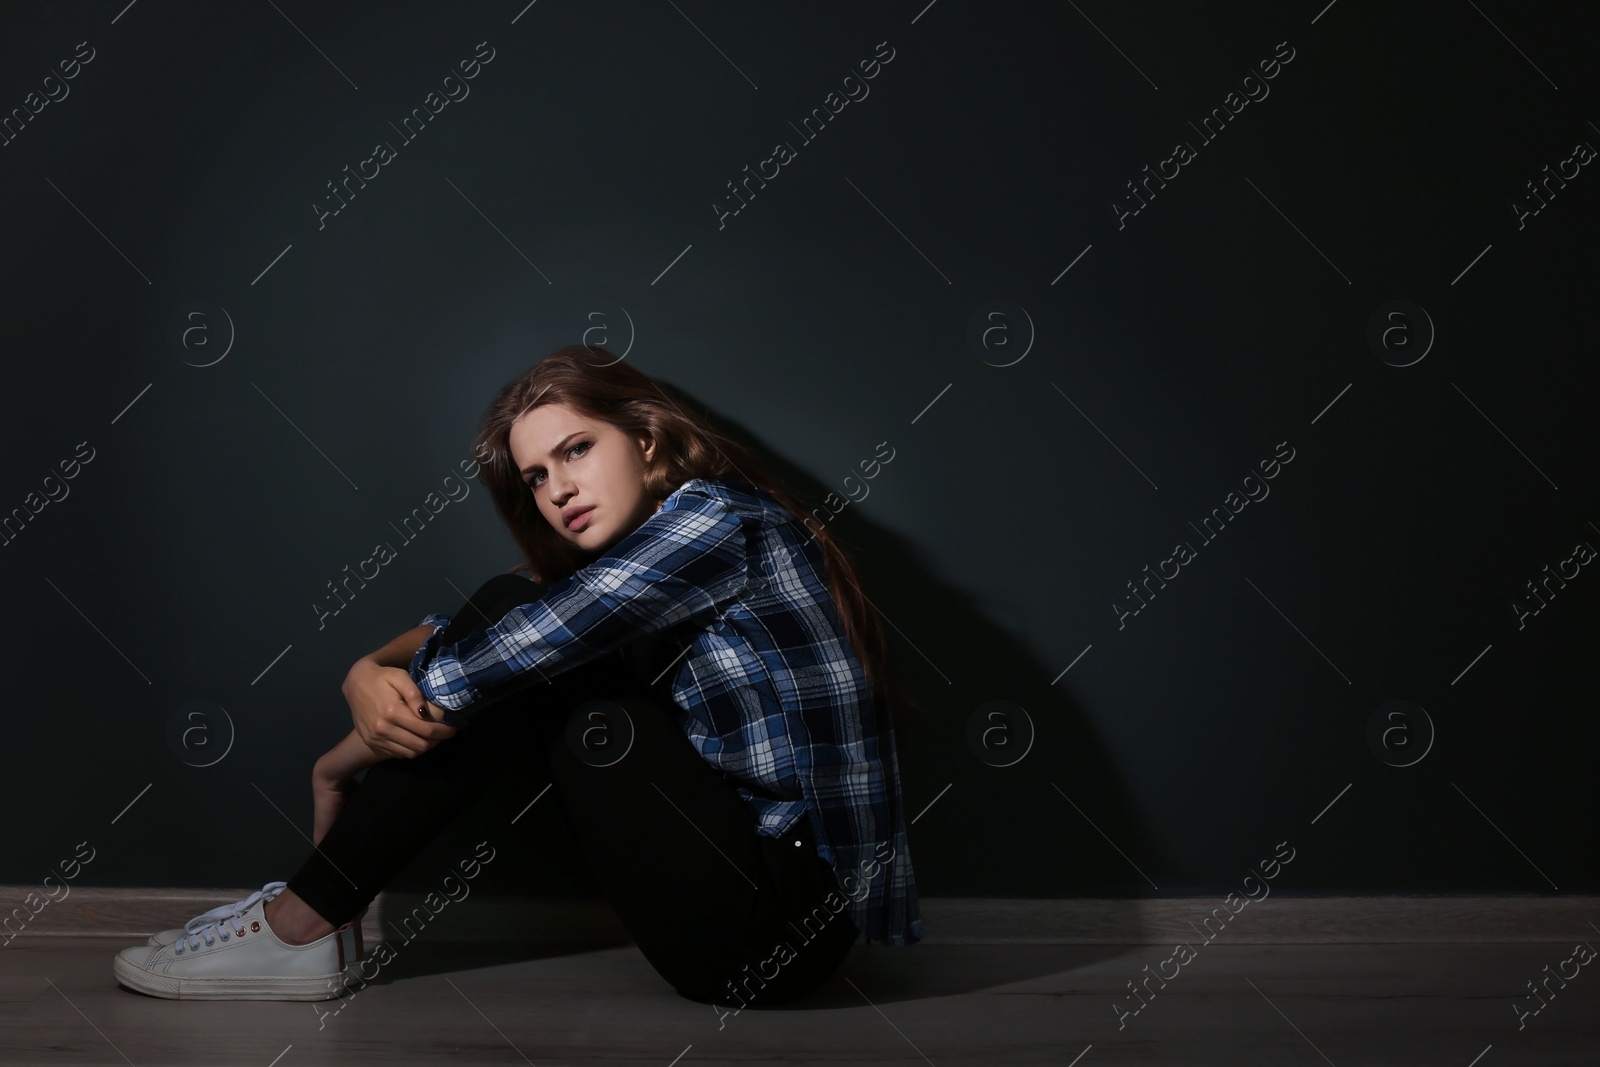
(239, 958)
(224, 911)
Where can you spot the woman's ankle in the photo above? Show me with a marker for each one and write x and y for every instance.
(293, 921)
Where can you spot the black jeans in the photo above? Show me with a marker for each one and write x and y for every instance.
(672, 846)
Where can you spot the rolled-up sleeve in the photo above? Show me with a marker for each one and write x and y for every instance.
(684, 563)
(425, 652)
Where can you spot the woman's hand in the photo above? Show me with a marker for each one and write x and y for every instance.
(388, 710)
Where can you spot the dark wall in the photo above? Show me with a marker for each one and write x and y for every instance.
(1344, 329)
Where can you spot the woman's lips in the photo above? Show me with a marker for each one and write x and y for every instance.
(581, 520)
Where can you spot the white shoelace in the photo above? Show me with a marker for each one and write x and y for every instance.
(208, 925)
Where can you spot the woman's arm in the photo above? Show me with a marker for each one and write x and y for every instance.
(333, 780)
(387, 708)
(681, 567)
(366, 688)
(344, 761)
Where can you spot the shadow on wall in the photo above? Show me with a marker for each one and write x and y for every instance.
(1002, 831)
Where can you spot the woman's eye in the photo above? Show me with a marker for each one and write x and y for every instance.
(580, 448)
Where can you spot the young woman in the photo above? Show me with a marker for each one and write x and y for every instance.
(698, 672)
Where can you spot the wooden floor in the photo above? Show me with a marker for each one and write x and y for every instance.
(946, 1004)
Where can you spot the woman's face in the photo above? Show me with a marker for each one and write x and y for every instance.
(585, 474)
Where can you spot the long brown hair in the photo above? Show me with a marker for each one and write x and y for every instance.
(596, 383)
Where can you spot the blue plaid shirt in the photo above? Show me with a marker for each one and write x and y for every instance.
(773, 694)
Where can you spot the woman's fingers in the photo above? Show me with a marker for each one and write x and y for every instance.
(408, 744)
(435, 714)
(402, 684)
(394, 729)
(397, 750)
(401, 726)
(419, 707)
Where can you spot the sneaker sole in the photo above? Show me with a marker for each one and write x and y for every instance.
(314, 987)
